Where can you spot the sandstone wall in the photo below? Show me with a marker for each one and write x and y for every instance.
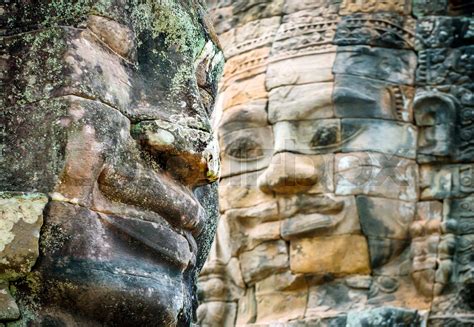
(346, 136)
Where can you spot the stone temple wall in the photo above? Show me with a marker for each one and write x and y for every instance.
(347, 148)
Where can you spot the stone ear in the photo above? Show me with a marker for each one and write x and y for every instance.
(436, 117)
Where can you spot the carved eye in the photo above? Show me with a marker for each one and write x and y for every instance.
(244, 148)
(324, 136)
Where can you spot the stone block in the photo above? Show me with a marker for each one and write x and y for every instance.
(391, 138)
(249, 115)
(399, 6)
(274, 307)
(20, 224)
(321, 7)
(255, 10)
(263, 261)
(343, 220)
(301, 102)
(384, 251)
(305, 33)
(334, 298)
(388, 218)
(241, 92)
(385, 315)
(284, 281)
(376, 174)
(245, 66)
(8, 308)
(315, 68)
(339, 255)
(390, 65)
(388, 30)
(357, 97)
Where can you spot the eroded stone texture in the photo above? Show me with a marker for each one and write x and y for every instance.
(107, 212)
(346, 137)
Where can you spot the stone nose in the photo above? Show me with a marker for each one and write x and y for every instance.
(189, 155)
(288, 173)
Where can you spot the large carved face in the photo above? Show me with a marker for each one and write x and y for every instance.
(324, 126)
(108, 110)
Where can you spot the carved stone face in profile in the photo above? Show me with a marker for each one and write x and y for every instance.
(107, 116)
(326, 128)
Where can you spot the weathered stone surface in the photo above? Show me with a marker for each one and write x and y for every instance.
(387, 315)
(246, 150)
(385, 218)
(376, 174)
(442, 32)
(446, 181)
(245, 91)
(273, 307)
(20, 224)
(210, 312)
(241, 192)
(401, 6)
(339, 255)
(387, 29)
(356, 97)
(333, 299)
(275, 292)
(338, 221)
(307, 136)
(391, 138)
(314, 68)
(8, 307)
(264, 260)
(251, 35)
(427, 8)
(391, 65)
(301, 102)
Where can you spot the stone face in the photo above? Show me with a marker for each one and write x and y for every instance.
(346, 136)
(107, 160)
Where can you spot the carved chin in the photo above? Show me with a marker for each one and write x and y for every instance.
(92, 269)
